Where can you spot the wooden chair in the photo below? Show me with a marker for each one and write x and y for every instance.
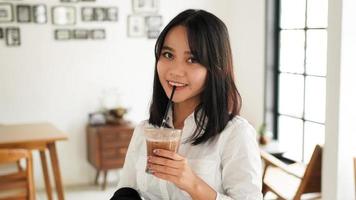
(18, 185)
(292, 181)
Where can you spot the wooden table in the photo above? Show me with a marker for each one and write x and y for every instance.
(39, 136)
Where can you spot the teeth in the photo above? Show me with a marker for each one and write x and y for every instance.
(176, 84)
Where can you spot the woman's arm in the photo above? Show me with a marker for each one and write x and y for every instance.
(241, 165)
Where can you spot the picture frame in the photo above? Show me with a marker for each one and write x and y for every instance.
(153, 22)
(39, 13)
(145, 6)
(98, 34)
(136, 26)
(87, 14)
(112, 14)
(63, 15)
(81, 34)
(6, 12)
(13, 36)
(69, 1)
(23, 13)
(153, 34)
(100, 14)
(1, 33)
(153, 26)
(63, 34)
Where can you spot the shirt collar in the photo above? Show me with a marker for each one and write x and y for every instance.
(188, 121)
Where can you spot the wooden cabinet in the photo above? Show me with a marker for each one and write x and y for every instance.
(107, 146)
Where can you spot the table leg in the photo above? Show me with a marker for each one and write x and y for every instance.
(97, 177)
(104, 183)
(56, 170)
(45, 174)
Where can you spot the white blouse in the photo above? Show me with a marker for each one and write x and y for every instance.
(230, 164)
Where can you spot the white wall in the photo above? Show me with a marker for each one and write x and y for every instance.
(340, 139)
(61, 82)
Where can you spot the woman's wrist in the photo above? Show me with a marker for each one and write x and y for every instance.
(202, 191)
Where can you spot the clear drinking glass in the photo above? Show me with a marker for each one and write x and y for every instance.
(162, 138)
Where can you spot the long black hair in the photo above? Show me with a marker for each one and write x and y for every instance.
(220, 100)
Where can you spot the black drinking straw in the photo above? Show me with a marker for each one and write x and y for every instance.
(164, 120)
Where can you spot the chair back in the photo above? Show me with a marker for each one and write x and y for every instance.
(13, 185)
(311, 181)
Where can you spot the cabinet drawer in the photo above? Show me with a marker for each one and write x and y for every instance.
(113, 157)
(113, 138)
(114, 153)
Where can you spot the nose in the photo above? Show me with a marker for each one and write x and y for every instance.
(177, 70)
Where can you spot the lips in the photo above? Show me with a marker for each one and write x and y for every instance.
(178, 85)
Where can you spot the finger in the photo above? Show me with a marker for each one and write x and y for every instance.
(164, 161)
(163, 169)
(168, 154)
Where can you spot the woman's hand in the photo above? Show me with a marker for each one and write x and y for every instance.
(174, 168)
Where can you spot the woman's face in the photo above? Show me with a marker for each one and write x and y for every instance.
(178, 67)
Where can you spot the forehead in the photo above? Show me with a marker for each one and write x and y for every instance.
(177, 39)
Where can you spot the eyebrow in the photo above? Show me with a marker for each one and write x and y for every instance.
(165, 47)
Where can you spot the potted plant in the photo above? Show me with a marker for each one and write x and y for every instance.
(262, 132)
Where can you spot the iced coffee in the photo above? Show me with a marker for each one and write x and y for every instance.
(162, 138)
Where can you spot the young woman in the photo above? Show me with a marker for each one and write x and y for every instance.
(218, 157)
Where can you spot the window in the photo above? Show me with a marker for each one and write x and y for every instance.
(296, 74)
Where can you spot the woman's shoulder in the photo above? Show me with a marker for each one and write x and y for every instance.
(239, 127)
(239, 122)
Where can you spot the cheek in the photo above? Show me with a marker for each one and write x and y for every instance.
(161, 70)
(199, 78)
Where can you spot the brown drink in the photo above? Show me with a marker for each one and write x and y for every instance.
(162, 138)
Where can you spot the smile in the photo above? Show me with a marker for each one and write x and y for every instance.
(177, 84)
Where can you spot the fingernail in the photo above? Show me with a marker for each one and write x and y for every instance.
(155, 151)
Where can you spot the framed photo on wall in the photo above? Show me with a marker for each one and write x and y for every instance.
(13, 37)
(6, 12)
(39, 14)
(136, 26)
(63, 15)
(112, 14)
(63, 34)
(98, 34)
(99, 14)
(145, 6)
(153, 22)
(1, 33)
(23, 13)
(69, 1)
(81, 34)
(153, 34)
(88, 14)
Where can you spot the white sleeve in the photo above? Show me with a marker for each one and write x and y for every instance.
(128, 172)
(241, 165)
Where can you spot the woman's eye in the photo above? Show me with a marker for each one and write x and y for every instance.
(192, 60)
(167, 55)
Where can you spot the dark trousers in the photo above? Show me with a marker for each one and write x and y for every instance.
(126, 194)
